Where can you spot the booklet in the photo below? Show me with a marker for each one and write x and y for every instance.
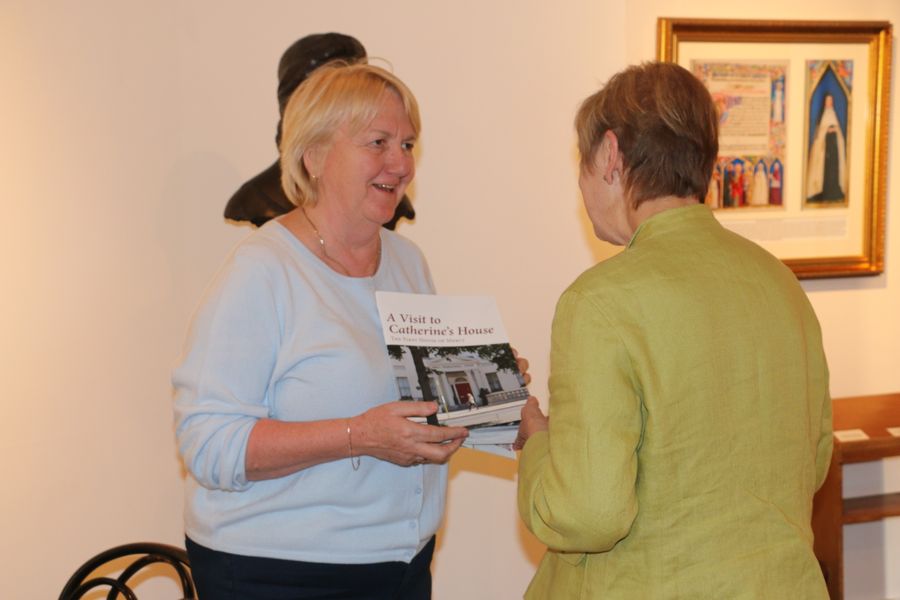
(454, 350)
(496, 439)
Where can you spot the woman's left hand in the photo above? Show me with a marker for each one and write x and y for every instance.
(386, 432)
(533, 420)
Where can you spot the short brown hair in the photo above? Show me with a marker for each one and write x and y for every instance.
(334, 95)
(666, 126)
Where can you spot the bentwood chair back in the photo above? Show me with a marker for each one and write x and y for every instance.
(145, 554)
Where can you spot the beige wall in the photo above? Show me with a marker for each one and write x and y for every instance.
(126, 126)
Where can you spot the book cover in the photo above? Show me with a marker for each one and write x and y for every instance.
(453, 350)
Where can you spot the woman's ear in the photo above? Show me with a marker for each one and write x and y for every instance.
(609, 158)
(313, 160)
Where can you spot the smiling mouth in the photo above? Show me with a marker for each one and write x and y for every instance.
(384, 187)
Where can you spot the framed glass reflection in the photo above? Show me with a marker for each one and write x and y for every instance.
(803, 108)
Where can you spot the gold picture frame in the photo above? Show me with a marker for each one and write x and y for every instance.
(800, 101)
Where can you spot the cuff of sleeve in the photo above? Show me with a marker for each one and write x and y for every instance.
(538, 444)
(531, 462)
(239, 482)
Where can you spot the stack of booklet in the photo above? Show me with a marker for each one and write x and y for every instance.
(454, 350)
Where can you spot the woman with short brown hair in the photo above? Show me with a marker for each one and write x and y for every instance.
(690, 420)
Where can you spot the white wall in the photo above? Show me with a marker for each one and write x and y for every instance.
(126, 126)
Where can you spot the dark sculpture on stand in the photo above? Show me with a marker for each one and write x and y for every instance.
(261, 198)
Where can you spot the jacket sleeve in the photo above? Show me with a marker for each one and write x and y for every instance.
(825, 445)
(220, 385)
(818, 382)
(577, 481)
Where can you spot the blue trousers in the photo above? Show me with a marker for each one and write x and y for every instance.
(224, 576)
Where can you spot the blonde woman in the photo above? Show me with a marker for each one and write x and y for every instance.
(306, 477)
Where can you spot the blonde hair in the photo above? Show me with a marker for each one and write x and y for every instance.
(666, 126)
(335, 95)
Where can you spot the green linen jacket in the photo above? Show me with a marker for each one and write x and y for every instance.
(690, 425)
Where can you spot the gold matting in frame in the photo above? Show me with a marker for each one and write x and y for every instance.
(815, 237)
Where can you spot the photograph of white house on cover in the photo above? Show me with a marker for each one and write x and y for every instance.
(473, 385)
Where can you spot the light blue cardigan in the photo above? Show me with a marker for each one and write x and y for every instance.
(280, 335)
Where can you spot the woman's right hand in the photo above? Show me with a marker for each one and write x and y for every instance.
(533, 420)
(387, 433)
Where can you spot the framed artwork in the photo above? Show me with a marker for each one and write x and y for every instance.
(803, 134)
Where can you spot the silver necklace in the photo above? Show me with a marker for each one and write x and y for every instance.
(327, 256)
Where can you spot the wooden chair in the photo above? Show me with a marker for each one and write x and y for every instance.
(146, 554)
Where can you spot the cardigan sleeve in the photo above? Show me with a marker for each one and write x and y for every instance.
(220, 385)
(577, 481)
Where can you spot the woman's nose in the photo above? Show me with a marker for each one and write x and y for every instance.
(400, 162)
